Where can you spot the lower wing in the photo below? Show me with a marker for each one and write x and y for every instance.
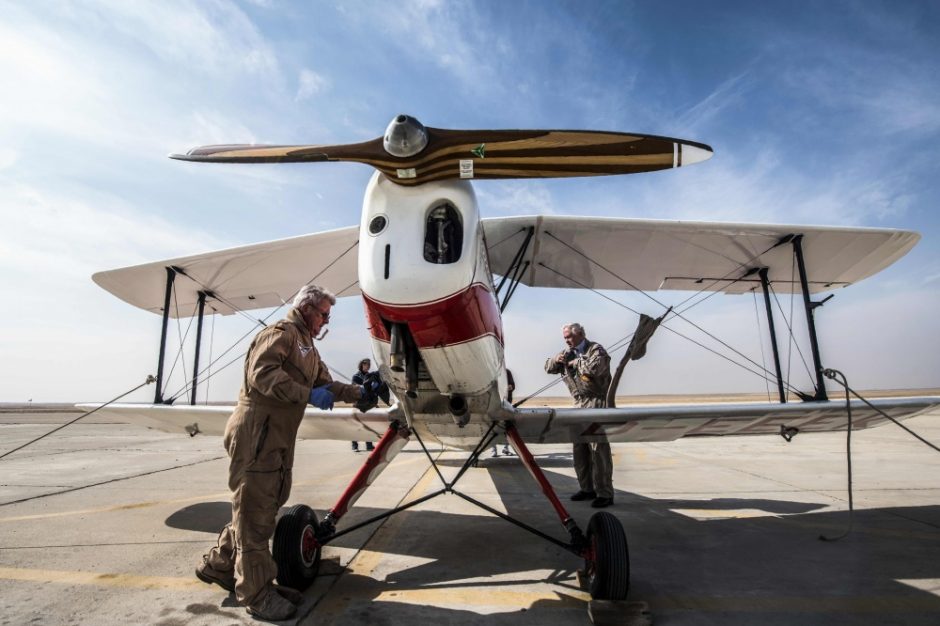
(670, 422)
(343, 424)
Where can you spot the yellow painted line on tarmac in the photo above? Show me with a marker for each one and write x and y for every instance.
(364, 563)
(116, 507)
(101, 579)
(483, 596)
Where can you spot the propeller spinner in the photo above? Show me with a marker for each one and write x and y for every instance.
(411, 154)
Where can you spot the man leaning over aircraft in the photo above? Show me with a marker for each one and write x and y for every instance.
(283, 372)
(585, 366)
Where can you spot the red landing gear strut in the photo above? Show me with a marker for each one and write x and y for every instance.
(299, 536)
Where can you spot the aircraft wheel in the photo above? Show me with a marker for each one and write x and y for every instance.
(609, 570)
(295, 548)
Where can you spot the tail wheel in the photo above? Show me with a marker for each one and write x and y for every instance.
(607, 563)
(296, 550)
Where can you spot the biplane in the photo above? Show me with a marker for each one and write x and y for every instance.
(426, 267)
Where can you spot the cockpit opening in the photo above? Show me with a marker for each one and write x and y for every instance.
(443, 235)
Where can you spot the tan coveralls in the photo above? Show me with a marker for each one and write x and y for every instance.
(587, 382)
(281, 367)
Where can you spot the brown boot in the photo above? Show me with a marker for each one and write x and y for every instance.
(291, 595)
(272, 607)
(207, 574)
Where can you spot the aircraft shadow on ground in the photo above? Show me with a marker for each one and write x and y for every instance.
(773, 556)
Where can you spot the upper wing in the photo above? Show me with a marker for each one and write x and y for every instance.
(342, 424)
(257, 276)
(616, 253)
(670, 422)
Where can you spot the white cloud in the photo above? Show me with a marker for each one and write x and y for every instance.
(210, 36)
(310, 84)
(518, 197)
(66, 239)
(451, 36)
(730, 93)
(8, 157)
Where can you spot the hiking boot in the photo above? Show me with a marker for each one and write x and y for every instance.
(290, 594)
(272, 607)
(207, 574)
(584, 495)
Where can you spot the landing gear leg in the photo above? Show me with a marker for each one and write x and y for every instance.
(298, 536)
(604, 550)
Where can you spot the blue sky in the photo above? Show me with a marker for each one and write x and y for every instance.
(819, 113)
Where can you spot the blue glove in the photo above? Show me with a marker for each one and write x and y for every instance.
(322, 398)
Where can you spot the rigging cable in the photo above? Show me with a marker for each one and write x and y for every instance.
(788, 322)
(256, 322)
(676, 312)
(830, 373)
(150, 379)
(182, 338)
(840, 378)
(701, 345)
(763, 356)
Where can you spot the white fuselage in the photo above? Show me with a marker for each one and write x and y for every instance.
(423, 265)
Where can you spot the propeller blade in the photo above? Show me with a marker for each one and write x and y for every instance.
(483, 154)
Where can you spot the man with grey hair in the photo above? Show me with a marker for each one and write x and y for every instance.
(585, 367)
(283, 372)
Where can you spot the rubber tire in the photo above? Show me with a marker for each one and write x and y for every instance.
(292, 570)
(609, 574)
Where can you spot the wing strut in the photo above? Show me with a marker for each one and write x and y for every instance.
(765, 285)
(810, 306)
(516, 270)
(170, 277)
(202, 310)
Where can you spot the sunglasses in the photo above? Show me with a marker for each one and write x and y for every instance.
(324, 316)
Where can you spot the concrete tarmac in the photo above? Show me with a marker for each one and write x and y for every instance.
(103, 523)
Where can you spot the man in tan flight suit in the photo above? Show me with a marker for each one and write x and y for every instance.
(283, 372)
(585, 367)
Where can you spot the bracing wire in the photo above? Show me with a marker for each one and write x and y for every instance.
(809, 372)
(763, 356)
(150, 379)
(687, 338)
(256, 322)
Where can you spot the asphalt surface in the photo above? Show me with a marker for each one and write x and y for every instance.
(104, 523)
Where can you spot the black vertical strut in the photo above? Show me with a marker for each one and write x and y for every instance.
(170, 276)
(765, 285)
(202, 308)
(809, 305)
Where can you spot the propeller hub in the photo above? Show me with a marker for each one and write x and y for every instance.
(405, 136)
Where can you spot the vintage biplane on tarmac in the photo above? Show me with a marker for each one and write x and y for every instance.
(424, 261)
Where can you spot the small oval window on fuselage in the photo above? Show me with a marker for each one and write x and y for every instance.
(378, 224)
(443, 235)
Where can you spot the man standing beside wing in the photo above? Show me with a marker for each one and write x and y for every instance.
(283, 372)
(585, 367)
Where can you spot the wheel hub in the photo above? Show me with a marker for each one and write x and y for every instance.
(308, 546)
